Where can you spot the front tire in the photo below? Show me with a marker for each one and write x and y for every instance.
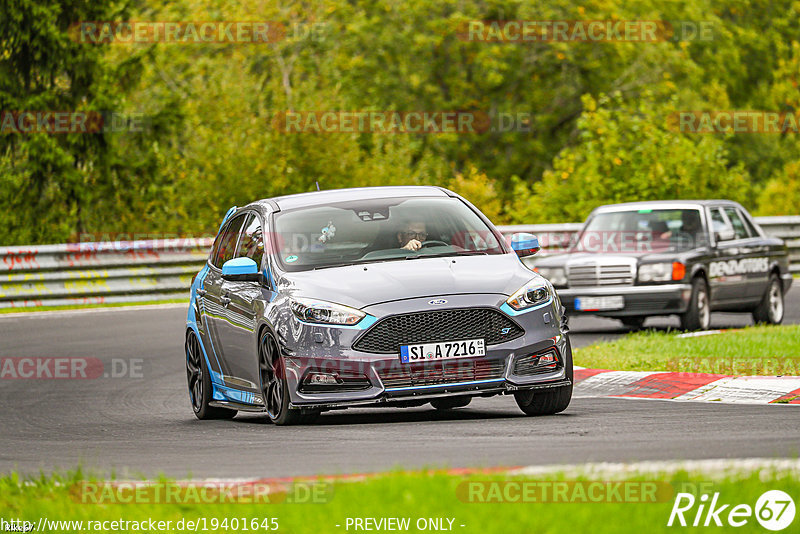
(771, 309)
(274, 386)
(548, 401)
(698, 316)
(200, 388)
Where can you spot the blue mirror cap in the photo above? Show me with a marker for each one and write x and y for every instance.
(524, 242)
(239, 266)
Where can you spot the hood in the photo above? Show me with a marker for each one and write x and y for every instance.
(372, 283)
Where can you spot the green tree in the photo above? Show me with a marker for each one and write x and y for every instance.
(629, 152)
(53, 186)
(781, 194)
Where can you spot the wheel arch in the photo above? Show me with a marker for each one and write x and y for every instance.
(700, 271)
(775, 269)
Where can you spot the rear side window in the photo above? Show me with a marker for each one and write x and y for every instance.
(251, 244)
(739, 229)
(225, 245)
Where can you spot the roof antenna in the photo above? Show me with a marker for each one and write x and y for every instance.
(316, 182)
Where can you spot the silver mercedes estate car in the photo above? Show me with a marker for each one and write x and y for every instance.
(379, 296)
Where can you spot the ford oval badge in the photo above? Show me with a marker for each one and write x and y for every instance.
(436, 302)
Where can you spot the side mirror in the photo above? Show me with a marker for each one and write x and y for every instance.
(240, 270)
(525, 244)
(726, 234)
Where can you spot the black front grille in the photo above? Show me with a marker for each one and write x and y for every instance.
(387, 335)
(442, 372)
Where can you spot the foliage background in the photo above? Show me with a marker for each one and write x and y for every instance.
(598, 112)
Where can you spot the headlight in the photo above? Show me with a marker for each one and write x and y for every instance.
(556, 275)
(322, 312)
(661, 272)
(533, 293)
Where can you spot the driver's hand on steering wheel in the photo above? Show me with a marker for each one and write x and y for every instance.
(413, 245)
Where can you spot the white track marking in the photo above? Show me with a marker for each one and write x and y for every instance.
(744, 389)
(721, 467)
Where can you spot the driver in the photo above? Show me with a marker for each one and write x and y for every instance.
(412, 235)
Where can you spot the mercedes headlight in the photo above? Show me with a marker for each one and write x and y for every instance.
(531, 294)
(322, 312)
(661, 272)
(556, 275)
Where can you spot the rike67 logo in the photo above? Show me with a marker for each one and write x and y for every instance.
(774, 510)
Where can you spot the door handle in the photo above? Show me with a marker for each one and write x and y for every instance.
(201, 292)
(225, 301)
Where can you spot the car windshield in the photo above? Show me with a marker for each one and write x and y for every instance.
(366, 231)
(642, 231)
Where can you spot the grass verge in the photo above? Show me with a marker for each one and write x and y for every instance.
(537, 505)
(756, 350)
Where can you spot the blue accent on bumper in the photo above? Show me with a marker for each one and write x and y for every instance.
(223, 393)
(457, 384)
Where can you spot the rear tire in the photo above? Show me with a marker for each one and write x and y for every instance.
(771, 308)
(200, 388)
(451, 403)
(548, 401)
(698, 316)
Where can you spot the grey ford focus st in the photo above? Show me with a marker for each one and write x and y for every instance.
(380, 296)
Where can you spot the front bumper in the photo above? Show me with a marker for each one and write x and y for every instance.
(390, 382)
(643, 300)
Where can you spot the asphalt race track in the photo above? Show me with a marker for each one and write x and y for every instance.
(145, 426)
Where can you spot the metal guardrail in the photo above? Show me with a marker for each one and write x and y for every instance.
(99, 273)
(162, 269)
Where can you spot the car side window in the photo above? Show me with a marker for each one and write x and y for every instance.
(739, 229)
(226, 247)
(749, 224)
(251, 244)
(718, 221)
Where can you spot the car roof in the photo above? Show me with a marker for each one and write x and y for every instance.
(331, 196)
(660, 204)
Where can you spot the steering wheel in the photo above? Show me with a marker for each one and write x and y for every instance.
(433, 243)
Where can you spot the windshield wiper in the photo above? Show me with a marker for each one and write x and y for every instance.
(409, 257)
(445, 254)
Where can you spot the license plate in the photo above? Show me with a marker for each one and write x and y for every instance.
(616, 302)
(448, 350)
